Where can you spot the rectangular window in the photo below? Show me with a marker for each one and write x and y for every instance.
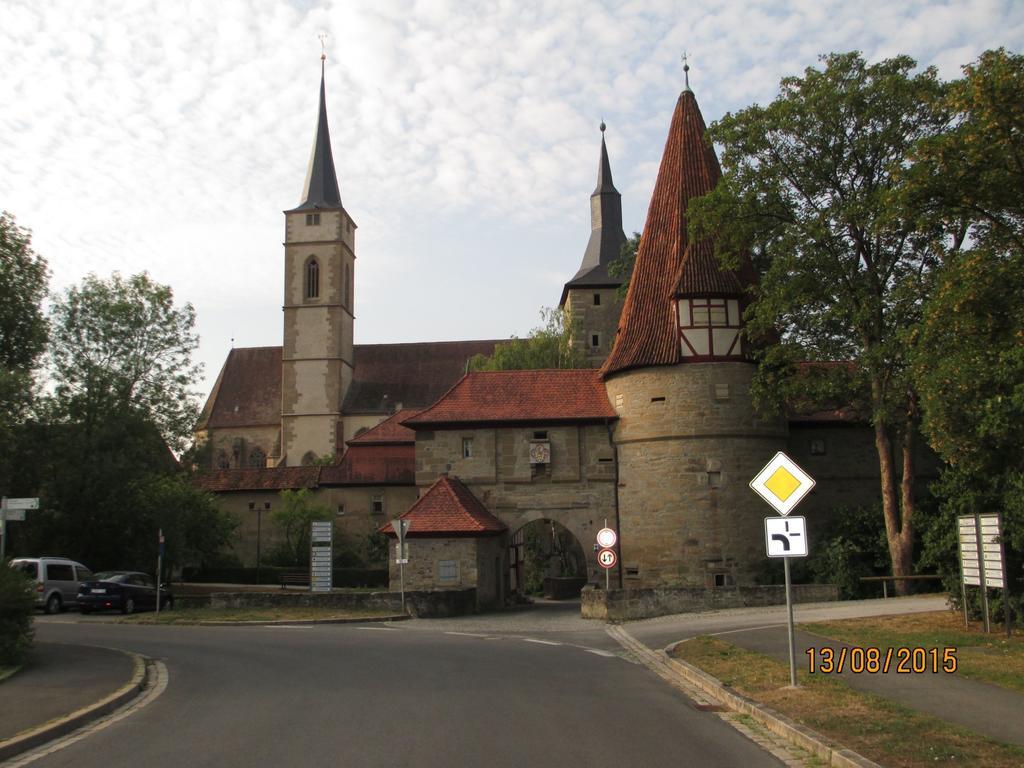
(595, 340)
(718, 316)
(312, 219)
(540, 434)
(58, 572)
(467, 447)
(377, 504)
(597, 299)
(341, 510)
(699, 314)
(448, 571)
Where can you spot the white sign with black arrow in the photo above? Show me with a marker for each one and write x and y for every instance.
(786, 536)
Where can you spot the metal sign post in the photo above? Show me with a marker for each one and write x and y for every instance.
(321, 556)
(159, 565)
(606, 557)
(401, 527)
(979, 541)
(783, 484)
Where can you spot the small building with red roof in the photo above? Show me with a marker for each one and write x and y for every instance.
(453, 542)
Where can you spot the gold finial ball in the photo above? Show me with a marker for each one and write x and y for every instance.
(602, 126)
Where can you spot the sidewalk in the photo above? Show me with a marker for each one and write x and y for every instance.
(59, 680)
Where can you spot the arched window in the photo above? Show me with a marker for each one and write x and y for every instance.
(222, 460)
(257, 458)
(312, 279)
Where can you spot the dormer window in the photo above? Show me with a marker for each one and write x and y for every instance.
(312, 279)
(710, 328)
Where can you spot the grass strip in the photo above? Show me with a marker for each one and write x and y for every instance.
(992, 658)
(201, 615)
(877, 728)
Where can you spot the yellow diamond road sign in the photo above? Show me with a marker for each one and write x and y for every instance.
(782, 483)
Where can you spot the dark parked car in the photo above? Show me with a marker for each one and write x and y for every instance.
(125, 591)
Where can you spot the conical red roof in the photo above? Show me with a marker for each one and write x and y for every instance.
(666, 263)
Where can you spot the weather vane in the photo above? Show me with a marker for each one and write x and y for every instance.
(323, 46)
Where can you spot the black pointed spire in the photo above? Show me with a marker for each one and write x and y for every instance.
(321, 188)
(606, 235)
(604, 170)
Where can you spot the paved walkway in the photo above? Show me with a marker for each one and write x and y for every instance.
(58, 680)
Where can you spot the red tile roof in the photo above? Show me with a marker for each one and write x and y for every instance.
(247, 392)
(520, 396)
(259, 479)
(449, 508)
(666, 264)
(248, 389)
(414, 375)
(388, 432)
(373, 465)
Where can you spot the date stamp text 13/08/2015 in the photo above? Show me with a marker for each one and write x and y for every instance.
(904, 660)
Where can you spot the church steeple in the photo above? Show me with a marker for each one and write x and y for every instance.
(317, 357)
(321, 187)
(606, 235)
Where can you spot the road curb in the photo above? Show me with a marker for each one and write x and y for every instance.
(291, 622)
(61, 726)
(829, 752)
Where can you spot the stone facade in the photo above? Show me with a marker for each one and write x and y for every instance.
(242, 446)
(456, 563)
(576, 489)
(352, 508)
(594, 314)
(689, 443)
(317, 355)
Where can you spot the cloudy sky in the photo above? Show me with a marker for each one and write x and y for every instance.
(169, 136)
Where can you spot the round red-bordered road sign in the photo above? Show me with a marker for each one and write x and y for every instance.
(607, 558)
(606, 538)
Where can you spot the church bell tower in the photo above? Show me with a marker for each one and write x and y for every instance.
(319, 277)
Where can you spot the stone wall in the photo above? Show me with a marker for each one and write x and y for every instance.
(589, 319)
(629, 604)
(352, 527)
(238, 443)
(456, 602)
(689, 443)
(576, 489)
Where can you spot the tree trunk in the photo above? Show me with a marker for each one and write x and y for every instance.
(897, 526)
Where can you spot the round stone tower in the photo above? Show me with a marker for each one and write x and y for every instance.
(689, 440)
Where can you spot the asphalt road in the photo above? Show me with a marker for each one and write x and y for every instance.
(404, 695)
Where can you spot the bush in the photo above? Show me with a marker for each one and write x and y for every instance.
(16, 606)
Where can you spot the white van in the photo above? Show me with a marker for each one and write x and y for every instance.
(56, 578)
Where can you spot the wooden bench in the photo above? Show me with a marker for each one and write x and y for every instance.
(297, 576)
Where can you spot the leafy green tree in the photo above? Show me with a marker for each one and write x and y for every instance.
(623, 266)
(23, 331)
(969, 359)
(121, 345)
(196, 530)
(547, 346)
(812, 188)
(294, 516)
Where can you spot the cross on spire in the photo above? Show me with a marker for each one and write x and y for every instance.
(686, 71)
(323, 46)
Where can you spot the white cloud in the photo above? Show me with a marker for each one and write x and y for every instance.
(169, 136)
